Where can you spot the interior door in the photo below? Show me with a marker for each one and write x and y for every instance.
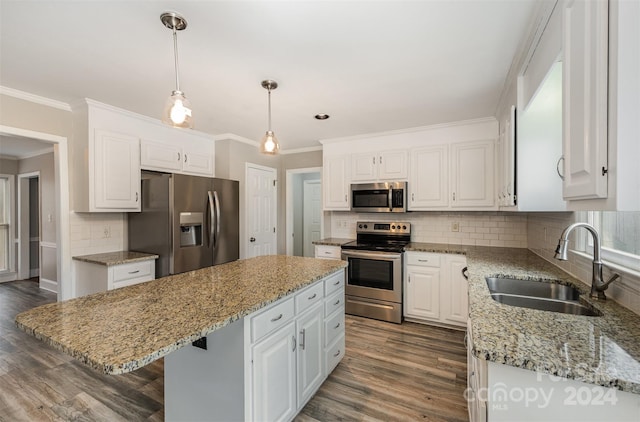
(311, 215)
(261, 194)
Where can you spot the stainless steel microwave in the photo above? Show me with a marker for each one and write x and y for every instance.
(379, 197)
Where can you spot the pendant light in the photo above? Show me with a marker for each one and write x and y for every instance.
(177, 110)
(269, 143)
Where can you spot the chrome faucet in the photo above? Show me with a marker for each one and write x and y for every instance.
(597, 285)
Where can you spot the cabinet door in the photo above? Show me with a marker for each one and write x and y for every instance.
(473, 175)
(336, 182)
(160, 156)
(428, 182)
(198, 157)
(422, 293)
(364, 167)
(453, 294)
(310, 352)
(274, 376)
(116, 178)
(392, 165)
(584, 98)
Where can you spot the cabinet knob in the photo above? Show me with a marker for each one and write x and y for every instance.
(252, 239)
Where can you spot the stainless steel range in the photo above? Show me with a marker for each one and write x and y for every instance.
(374, 275)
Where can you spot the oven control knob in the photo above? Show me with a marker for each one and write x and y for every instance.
(393, 227)
(404, 227)
(365, 226)
(359, 226)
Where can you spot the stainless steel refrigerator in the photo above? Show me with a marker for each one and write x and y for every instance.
(190, 222)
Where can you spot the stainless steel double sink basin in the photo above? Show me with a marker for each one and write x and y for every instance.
(539, 295)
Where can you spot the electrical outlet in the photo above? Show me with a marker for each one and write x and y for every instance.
(106, 232)
(455, 226)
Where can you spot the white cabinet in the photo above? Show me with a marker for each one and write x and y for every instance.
(435, 289)
(190, 156)
(328, 252)
(473, 175)
(336, 180)
(310, 358)
(379, 166)
(274, 376)
(94, 277)
(116, 172)
(429, 178)
(585, 79)
(106, 161)
(476, 381)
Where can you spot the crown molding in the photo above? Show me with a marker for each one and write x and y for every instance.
(34, 98)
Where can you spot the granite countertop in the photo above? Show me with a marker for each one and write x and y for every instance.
(115, 258)
(332, 241)
(124, 329)
(602, 350)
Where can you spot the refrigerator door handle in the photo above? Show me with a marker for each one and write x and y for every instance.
(210, 207)
(216, 236)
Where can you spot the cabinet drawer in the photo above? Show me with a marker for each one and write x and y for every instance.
(133, 270)
(334, 354)
(333, 283)
(424, 259)
(333, 327)
(272, 318)
(309, 297)
(334, 303)
(327, 251)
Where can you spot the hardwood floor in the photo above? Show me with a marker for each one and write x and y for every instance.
(390, 372)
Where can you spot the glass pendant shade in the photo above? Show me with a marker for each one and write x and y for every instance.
(269, 143)
(177, 111)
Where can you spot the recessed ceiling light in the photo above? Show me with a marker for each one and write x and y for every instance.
(321, 116)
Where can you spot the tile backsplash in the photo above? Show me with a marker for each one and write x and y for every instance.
(97, 232)
(501, 229)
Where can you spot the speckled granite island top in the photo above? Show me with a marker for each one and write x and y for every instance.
(332, 241)
(602, 350)
(115, 258)
(124, 329)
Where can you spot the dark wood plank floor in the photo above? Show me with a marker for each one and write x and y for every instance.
(390, 372)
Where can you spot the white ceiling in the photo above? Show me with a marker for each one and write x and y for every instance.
(371, 65)
(17, 147)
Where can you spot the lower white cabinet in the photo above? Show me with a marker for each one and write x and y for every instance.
(94, 278)
(434, 288)
(328, 252)
(264, 367)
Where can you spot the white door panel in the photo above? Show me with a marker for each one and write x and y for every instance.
(261, 211)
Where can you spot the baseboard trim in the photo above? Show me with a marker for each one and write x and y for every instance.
(8, 277)
(49, 285)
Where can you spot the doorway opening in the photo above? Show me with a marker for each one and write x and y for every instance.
(29, 226)
(304, 210)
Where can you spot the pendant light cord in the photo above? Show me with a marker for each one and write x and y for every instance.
(175, 56)
(269, 90)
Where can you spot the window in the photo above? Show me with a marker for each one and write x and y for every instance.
(5, 221)
(619, 235)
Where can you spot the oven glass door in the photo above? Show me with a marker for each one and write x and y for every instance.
(372, 273)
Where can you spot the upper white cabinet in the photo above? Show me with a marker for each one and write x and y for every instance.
(429, 178)
(335, 174)
(106, 161)
(191, 155)
(473, 175)
(585, 78)
(379, 166)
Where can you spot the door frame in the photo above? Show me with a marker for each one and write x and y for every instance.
(245, 208)
(23, 240)
(289, 204)
(66, 285)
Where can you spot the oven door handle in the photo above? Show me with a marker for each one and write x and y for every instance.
(372, 255)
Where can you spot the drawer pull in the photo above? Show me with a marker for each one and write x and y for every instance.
(336, 354)
(327, 252)
(134, 272)
(276, 318)
(337, 302)
(337, 326)
(336, 283)
(313, 296)
(423, 260)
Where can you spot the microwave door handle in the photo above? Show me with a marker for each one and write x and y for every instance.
(390, 199)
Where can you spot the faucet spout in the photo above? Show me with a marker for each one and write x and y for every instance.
(597, 285)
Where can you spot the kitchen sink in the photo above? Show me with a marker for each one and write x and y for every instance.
(538, 295)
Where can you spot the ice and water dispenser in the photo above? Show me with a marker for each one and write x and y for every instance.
(191, 229)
